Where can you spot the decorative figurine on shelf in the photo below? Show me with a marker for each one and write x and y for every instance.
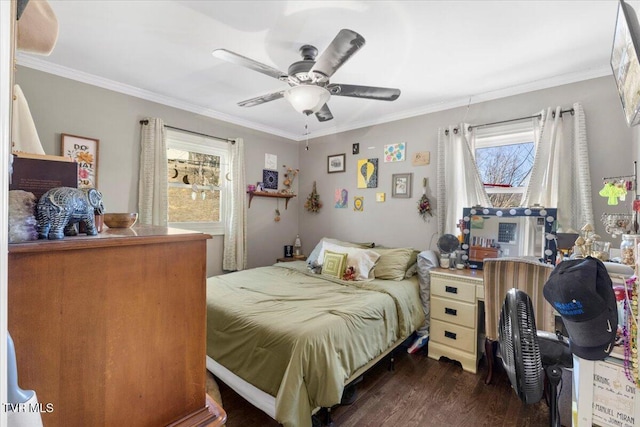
(289, 177)
(60, 208)
(313, 203)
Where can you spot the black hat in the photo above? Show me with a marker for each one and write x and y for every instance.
(582, 292)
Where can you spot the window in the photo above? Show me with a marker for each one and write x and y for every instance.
(196, 171)
(504, 156)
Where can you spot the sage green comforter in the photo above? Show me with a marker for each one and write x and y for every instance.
(299, 336)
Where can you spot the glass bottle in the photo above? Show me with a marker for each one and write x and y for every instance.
(627, 246)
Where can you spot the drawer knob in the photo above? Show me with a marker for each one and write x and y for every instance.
(451, 289)
(451, 311)
(451, 335)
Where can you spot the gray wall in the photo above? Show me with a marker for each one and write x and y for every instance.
(396, 222)
(61, 105)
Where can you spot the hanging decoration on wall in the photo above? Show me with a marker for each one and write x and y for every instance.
(277, 217)
(368, 173)
(313, 203)
(289, 176)
(424, 206)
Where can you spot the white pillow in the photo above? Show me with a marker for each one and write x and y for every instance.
(363, 260)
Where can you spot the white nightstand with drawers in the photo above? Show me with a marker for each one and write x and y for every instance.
(456, 317)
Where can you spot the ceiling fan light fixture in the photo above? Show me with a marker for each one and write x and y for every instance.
(307, 99)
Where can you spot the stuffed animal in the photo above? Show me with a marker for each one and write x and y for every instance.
(349, 273)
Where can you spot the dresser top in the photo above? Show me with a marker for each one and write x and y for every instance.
(467, 273)
(137, 235)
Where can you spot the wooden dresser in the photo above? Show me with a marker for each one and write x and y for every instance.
(456, 317)
(110, 329)
(479, 253)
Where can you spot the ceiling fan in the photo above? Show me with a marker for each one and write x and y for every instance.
(309, 78)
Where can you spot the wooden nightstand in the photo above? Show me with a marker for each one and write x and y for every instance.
(293, 258)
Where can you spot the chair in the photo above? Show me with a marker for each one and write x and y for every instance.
(502, 274)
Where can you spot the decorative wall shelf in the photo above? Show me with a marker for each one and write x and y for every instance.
(253, 194)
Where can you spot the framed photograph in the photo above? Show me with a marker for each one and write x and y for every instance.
(625, 64)
(335, 163)
(401, 185)
(83, 151)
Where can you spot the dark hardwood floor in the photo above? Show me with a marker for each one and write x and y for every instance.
(420, 392)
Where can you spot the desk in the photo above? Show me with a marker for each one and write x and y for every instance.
(456, 318)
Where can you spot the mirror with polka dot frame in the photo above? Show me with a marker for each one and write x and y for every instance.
(508, 232)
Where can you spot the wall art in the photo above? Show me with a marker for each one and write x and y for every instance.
(269, 179)
(335, 163)
(270, 161)
(358, 204)
(394, 152)
(368, 173)
(83, 151)
(341, 197)
(421, 158)
(401, 185)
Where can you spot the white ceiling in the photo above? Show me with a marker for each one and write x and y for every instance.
(441, 54)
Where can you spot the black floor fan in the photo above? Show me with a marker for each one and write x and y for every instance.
(528, 355)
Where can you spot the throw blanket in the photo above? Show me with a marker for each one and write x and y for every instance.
(300, 336)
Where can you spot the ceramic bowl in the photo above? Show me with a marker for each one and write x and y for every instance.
(120, 220)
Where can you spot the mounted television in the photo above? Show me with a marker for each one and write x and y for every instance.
(625, 64)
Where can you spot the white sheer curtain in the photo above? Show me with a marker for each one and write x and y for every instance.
(560, 174)
(235, 233)
(459, 184)
(152, 186)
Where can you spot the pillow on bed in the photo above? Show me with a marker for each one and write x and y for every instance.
(312, 259)
(412, 266)
(334, 264)
(393, 263)
(363, 260)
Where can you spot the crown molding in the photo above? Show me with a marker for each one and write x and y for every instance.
(476, 99)
(62, 71)
(91, 79)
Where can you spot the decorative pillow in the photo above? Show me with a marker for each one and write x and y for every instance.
(312, 259)
(363, 260)
(393, 263)
(334, 264)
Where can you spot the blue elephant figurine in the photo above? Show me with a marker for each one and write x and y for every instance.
(60, 208)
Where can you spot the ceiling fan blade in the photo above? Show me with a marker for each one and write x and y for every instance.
(324, 114)
(369, 92)
(346, 43)
(237, 59)
(261, 99)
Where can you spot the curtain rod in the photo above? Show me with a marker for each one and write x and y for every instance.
(232, 141)
(538, 116)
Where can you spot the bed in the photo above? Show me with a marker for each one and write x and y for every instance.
(288, 340)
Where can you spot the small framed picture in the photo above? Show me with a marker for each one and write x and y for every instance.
(335, 163)
(401, 185)
(83, 151)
